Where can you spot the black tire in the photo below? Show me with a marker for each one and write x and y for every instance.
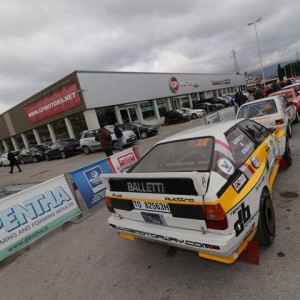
(194, 116)
(63, 155)
(34, 159)
(144, 135)
(289, 131)
(266, 230)
(1, 164)
(115, 145)
(296, 121)
(86, 150)
(287, 154)
(47, 157)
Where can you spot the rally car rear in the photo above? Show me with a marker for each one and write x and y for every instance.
(196, 197)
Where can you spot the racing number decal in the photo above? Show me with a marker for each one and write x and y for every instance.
(244, 216)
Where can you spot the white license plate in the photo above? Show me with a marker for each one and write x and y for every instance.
(153, 206)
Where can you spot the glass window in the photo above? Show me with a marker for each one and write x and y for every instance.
(19, 141)
(256, 131)
(60, 129)
(106, 115)
(30, 137)
(185, 101)
(241, 145)
(44, 134)
(257, 109)
(78, 124)
(147, 110)
(178, 156)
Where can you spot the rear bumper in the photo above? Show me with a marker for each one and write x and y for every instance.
(208, 245)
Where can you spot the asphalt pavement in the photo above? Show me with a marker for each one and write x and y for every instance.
(88, 260)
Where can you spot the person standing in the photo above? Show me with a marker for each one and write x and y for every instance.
(103, 136)
(119, 135)
(13, 161)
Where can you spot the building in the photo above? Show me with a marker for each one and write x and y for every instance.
(84, 99)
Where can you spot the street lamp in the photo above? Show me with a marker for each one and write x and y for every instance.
(261, 65)
(281, 50)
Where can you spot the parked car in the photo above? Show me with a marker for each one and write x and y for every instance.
(206, 106)
(273, 111)
(31, 154)
(141, 131)
(88, 143)
(63, 149)
(206, 190)
(291, 95)
(194, 113)
(4, 161)
(173, 117)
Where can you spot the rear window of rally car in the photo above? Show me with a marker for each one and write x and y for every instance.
(257, 109)
(178, 156)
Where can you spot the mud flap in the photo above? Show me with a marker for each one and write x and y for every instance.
(250, 254)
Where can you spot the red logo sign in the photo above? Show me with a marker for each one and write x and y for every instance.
(174, 84)
(57, 102)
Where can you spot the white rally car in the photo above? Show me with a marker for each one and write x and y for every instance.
(207, 189)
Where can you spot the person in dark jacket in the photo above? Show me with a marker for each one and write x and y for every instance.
(103, 136)
(13, 161)
(119, 136)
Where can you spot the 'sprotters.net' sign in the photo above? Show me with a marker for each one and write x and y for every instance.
(57, 102)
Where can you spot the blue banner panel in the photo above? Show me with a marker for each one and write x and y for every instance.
(87, 179)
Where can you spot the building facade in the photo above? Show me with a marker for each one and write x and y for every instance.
(84, 99)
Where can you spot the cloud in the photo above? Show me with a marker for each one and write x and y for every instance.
(43, 41)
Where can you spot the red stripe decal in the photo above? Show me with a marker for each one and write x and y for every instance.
(223, 144)
(249, 167)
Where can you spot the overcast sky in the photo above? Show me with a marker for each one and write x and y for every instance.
(44, 40)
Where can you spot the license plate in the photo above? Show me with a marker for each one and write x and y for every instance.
(153, 206)
(153, 218)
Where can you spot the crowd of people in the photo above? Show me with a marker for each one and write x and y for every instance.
(259, 92)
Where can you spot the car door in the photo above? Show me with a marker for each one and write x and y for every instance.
(90, 140)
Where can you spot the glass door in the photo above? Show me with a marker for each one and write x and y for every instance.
(175, 103)
(128, 114)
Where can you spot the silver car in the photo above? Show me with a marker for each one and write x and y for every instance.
(88, 143)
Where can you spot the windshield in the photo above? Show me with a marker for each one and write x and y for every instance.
(287, 94)
(137, 124)
(177, 156)
(261, 108)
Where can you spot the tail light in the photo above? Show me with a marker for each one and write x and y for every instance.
(215, 217)
(109, 205)
(279, 122)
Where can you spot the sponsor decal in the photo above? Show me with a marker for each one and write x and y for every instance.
(219, 82)
(180, 199)
(244, 216)
(146, 187)
(240, 182)
(93, 178)
(225, 166)
(174, 84)
(255, 162)
(167, 238)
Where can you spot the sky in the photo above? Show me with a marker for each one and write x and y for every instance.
(42, 41)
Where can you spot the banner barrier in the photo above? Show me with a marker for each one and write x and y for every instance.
(222, 115)
(87, 178)
(30, 214)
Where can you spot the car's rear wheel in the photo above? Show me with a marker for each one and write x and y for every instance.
(144, 135)
(296, 121)
(194, 116)
(287, 154)
(265, 234)
(34, 159)
(115, 145)
(86, 150)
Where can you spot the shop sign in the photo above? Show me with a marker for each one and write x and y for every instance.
(175, 84)
(220, 82)
(53, 104)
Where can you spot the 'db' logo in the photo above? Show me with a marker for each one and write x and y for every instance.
(174, 84)
(244, 216)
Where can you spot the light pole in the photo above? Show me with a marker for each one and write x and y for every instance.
(281, 50)
(261, 65)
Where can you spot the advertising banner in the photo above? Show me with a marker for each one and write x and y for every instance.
(28, 215)
(87, 178)
(57, 102)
